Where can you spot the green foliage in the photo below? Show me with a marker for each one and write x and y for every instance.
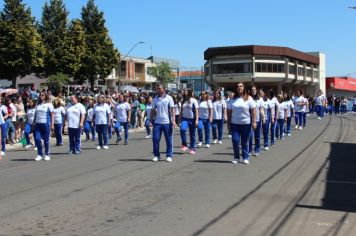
(21, 47)
(53, 28)
(100, 56)
(163, 73)
(58, 80)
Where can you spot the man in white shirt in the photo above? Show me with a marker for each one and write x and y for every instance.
(163, 116)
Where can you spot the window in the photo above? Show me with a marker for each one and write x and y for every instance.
(270, 67)
(301, 71)
(292, 70)
(149, 70)
(232, 68)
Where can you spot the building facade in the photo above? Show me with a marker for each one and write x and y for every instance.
(193, 80)
(341, 86)
(268, 67)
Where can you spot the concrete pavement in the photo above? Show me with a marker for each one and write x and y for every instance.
(289, 190)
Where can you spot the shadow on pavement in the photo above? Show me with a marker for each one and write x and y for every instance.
(340, 193)
(136, 160)
(22, 159)
(213, 161)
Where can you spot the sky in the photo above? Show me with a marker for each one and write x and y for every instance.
(184, 29)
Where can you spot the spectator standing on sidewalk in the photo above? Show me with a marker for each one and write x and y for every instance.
(3, 118)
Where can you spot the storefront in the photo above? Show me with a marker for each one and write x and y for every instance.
(341, 86)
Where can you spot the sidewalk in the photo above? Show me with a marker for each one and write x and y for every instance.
(65, 137)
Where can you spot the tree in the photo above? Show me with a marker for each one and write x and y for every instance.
(53, 28)
(100, 57)
(74, 49)
(21, 47)
(58, 80)
(163, 73)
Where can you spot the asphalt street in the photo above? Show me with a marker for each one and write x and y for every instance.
(304, 185)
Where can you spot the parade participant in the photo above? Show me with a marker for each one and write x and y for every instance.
(219, 115)
(148, 109)
(75, 115)
(274, 112)
(281, 116)
(299, 108)
(260, 119)
(101, 118)
(290, 109)
(177, 108)
(59, 113)
(330, 104)
(123, 116)
(89, 126)
(241, 113)
(30, 121)
(44, 122)
(3, 118)
(305, 108)
(205, 119)
(268, 117)
(343, 105)
(320, 104)
(189, 120)
(162, 118)
(111, 117)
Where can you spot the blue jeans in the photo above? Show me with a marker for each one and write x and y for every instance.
(58, 134)
(10, 127)
(219, 124)
(42, 131)
(188, 124)
(319, 110)
(147, 125)
(273, 131)
(167, 130)
(204, 124)
(118, 126)
(3, 137)
(300, 118)
(133, 119)
(240, 133)
(265, 128)
(110, 131)
(257, 135)
(27, 132)
(74, 139)
(279, 132)
(89, 128)
(305, 119)
(102, 131)
(289, 124)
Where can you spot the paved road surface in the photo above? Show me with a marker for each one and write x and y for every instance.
(305, 185)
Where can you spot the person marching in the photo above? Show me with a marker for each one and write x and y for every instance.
(59, 113)
(101, 119)
(269, 116)
(189, 120)
(241, 113)
(162, 119)
(260, 118)
(89, 127)
(148, 109)
(274, 112)
(44, 122)
(3, 126)
(30, 118)
(219, 115)
(281, 117)
(299, 109)
(123, 116)
(205, 119)
(320, 103)
(75, 116)
(290, 108)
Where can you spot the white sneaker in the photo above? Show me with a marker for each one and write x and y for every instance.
(199, 144)
(220, 142)
(106, 147)
(155, 159)
(300, 128)
(47, 158)
(289, 135)
(28, 146)
(215, 141)
(169, 159)
(38, 158)
(229, 135)
(319, 118)
(148, 136)
(246, 161)
(35, 149)
(235, 161)
(283, 134)
(98, 147)
(2, 153)
(296, 127)
(266, 148)
(208, 145)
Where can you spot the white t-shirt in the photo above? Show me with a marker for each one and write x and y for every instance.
(241, 110)
(319, 100)
(299, 108)
(90, 113)
(31, 115)
(43, 113)
(273, 104)
(267, 108)
(187, 108)
(148, 110)
(162, 105)
(218, 109)
(74, 113)
(3, 112)
(59, 112)
(290, 106)
(259, 104)
(102, 113)
(282, 107)
(305, 106)
(204, 109)
(121, 110)
(177, 107)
